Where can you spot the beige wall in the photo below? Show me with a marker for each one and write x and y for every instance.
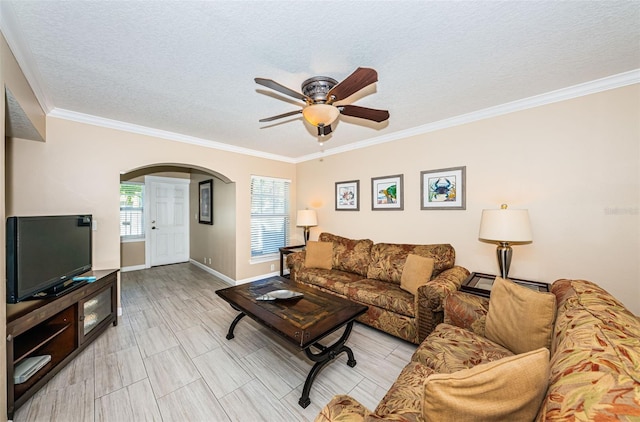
(78, 170)
(574, 165)
(212, 242)
(132, 254)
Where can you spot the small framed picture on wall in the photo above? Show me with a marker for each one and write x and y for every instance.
(443, 189)
(205, 207)
(387, 193)
(348, 196)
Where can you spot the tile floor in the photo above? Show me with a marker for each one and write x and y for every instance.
(168, 360)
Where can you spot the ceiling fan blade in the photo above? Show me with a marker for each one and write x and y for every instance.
(362, 77)
(364, 113)
(281, 88)
(280, 116)
(324, 130)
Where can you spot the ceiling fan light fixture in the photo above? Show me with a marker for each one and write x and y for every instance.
(320, 114)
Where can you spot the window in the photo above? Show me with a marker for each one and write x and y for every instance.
(131, 210)
(269, 215)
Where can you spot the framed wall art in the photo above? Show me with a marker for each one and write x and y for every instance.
(387, 193)
(205, 208)
(443, 189)
(348, 196)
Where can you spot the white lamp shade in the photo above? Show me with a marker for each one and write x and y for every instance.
(505, 225)
(320, 114)
(306, 218)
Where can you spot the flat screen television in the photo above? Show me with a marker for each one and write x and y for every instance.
(44, 253)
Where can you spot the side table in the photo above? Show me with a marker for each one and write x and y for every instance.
(480, 284)
(286, 250)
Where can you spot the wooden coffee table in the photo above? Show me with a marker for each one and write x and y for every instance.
(303, 321)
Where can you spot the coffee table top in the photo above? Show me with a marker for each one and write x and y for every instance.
(302, 321)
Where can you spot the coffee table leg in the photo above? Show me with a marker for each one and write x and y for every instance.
(233, 325)
(326, 355)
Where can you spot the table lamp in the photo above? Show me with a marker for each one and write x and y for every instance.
(306, 219)
(505, 227)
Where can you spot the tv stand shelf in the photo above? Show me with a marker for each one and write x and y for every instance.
(58, 326)
(39, 336)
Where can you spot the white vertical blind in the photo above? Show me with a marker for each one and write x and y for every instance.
(131, 210)
(269, 215)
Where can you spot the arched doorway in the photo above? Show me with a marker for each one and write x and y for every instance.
(211, 246)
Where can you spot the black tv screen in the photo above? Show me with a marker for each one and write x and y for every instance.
(44, 252)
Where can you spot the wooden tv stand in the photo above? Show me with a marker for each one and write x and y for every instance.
(61, 327)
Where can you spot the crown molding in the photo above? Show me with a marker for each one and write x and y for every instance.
(604, 84)
(580, 90)
(163, 134)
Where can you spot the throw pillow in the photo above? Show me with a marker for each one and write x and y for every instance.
(509, 389)
(416, 272)
(318, 255)
(519, 318)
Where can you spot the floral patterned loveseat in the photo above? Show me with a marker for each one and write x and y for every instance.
(593, 373)
(370, 274)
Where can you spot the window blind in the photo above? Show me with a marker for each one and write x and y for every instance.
(269, 215)
(131, 210)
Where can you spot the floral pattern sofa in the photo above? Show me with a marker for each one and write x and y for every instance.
(370, 274)
(594, 372)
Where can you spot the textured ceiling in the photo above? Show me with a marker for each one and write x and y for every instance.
(187, 67)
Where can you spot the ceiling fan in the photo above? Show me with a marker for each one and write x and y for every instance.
(321, 92)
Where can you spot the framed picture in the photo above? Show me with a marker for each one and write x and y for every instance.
(387, 193)
(443, 189)
(205, 209)
(348, 196)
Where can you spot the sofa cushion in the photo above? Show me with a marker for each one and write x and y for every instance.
(519, 318)
(383, 295)
(416, 272)
(332, 280)
(406, 394)
(388, 259)
(449, 349)
(318, 255)
(348, 254)
(510, 389)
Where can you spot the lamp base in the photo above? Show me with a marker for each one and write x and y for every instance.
(306, 234)
(504, 253)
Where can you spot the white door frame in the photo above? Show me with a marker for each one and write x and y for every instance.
(148, 180)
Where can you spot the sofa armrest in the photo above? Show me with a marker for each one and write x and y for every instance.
(466, 311)
(430, 298)
(295, 262)
(344, 409)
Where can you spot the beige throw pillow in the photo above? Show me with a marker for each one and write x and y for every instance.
(318, 255)
(416, 272)
(509, 389)
(519, 318)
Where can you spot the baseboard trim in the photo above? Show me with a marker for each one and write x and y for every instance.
(229, 280)
(133, 268)
(211, 271)
(256, 278)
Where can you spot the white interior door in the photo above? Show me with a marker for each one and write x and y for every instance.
(168, 222)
